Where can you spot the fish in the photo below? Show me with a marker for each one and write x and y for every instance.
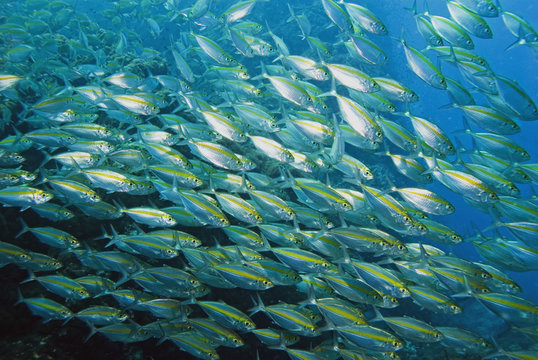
(227, 315)
(245, 278)
(352, 78)
(451, 31)
(23, 196)
(337, 15)
(410, 328)
(481, 7)
(213, 50)
(10, 253)
(101, 315)
(238, 208)
(426, 200)
(302, 260)
(365, 18)
(51, 236)
(423, 67)
(465, 184)
(288, 317)
(370, 337)
(391, 212)
(61, 286)
(150, 216)
(469, 20)
(46, 308)
(293, 154)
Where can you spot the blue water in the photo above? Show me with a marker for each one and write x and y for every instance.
(519, 63)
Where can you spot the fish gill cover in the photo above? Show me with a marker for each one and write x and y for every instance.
(268, 179)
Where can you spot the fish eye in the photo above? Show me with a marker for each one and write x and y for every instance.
(407, 218)
(393, 300)
(437, 335)
(378, 134)
(309, 99)
(258, 218)
(455, 308)
(395, 343)
(265, 282)
(401, 247)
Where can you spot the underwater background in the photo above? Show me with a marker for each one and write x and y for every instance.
(102, 26)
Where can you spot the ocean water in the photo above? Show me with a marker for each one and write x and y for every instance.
(26, 336)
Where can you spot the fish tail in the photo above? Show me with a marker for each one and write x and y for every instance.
(258, 305)
(25, 228)
(31, 277)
